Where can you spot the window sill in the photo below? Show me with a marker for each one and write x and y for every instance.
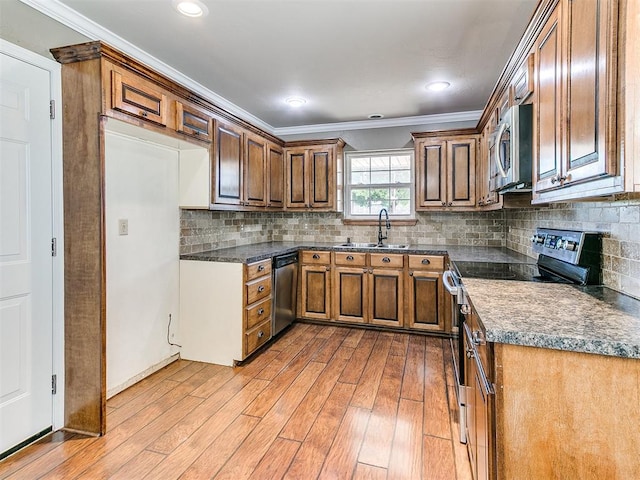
(371, 221)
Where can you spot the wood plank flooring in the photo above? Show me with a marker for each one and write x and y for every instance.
(321, 402)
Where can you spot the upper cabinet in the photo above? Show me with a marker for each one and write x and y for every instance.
(576, 95)
(311, 168)
(445, 170)
(275, 176)
(134, 95)
(228, 164)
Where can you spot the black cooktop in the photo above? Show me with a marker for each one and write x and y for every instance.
(501, 271)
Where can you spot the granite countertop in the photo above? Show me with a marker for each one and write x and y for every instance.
(590, 319)
(260, 251)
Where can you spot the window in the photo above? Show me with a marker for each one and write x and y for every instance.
(376, 180)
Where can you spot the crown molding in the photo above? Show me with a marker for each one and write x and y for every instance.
(436, 119)
(81, 24)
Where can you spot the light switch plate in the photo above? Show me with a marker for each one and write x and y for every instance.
(123, 226)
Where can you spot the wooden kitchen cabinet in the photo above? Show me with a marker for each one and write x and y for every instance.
(275, 177)
(225, 310)
(487, 172)
(255, 171)
(315, 277)
(426, 296)
(522, 85)
(311, 174)
(228, 165)
(575, 82)
(368, 288)
(445, 170)
(193, 121)
(135, 96)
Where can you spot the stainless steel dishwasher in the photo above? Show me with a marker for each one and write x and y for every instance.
(285, 287)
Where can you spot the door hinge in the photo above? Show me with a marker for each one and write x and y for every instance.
(52, 109)
(54, 384)
(54, 246)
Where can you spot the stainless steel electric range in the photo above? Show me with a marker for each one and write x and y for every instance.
(564, 256)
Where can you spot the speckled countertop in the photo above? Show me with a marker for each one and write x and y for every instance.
(260, 251)
(589, 319)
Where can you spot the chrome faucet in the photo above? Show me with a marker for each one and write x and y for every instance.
(388, 225)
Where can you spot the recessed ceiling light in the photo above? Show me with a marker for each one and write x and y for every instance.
(190, 8)
(438, 86)
(376, 116)
(295, 102)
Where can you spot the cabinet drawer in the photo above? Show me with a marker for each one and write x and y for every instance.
(316, 258)
(351, 259)
(257, 269)
(426, 262)
(191, 121)
(258, 289)
(258, 313)
(257, 337)
(384, 260)
(135, 96)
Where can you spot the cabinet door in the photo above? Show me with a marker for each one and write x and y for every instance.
(316, 295)
(297, 186)
(590, 93)
(193, 122)
(431, 172)
(522, 84)
(425, 301)
(461, 165)
(386, 294)
(548, 130)
(275, 180)
(255, 168)
(321, 182)
(135, 96)
(351, 294)
(228, 187)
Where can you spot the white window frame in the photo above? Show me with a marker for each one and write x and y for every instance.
(347, 186)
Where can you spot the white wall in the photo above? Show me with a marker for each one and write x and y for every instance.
(142, 267)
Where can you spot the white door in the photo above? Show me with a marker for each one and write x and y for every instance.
(25, 252)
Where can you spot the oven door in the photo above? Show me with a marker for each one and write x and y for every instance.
(453, 284)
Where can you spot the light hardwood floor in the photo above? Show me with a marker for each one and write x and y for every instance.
(321, 402)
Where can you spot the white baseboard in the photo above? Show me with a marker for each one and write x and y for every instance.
(135, 379)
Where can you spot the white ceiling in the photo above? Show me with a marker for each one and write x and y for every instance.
(348, 58)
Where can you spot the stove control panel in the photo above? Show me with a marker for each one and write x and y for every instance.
(565, 245)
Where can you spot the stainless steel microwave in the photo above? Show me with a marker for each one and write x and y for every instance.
(510, 150)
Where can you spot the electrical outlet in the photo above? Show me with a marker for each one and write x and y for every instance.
(123, 226)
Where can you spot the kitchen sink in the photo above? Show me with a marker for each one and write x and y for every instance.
(373, 245)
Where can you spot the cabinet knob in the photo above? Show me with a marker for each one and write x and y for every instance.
(261, 288)
(261, 311)
(316, 256)
(411, 274)
(143, 113)
(425, 261)
(386, 259)
(450, 204)
(444, 204)
(469, 353)
(371, 270)
(328, 268)
(364, 270)
(261, 268)
(518, 98)
(350, 257)
(196, 132)
(260, 334)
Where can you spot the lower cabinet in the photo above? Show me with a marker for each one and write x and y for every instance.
(225, 310)
(351, 294)
(315, 280)
(427, 308)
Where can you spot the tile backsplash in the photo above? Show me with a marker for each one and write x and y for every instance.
(204, 230)
(617, 217)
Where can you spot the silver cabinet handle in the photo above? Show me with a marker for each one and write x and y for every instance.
(350, 257)
(425, 261)
(261, 268)
(260, 334)
(386, 259)
(261, 288)
(261, 311)
(316, 256)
